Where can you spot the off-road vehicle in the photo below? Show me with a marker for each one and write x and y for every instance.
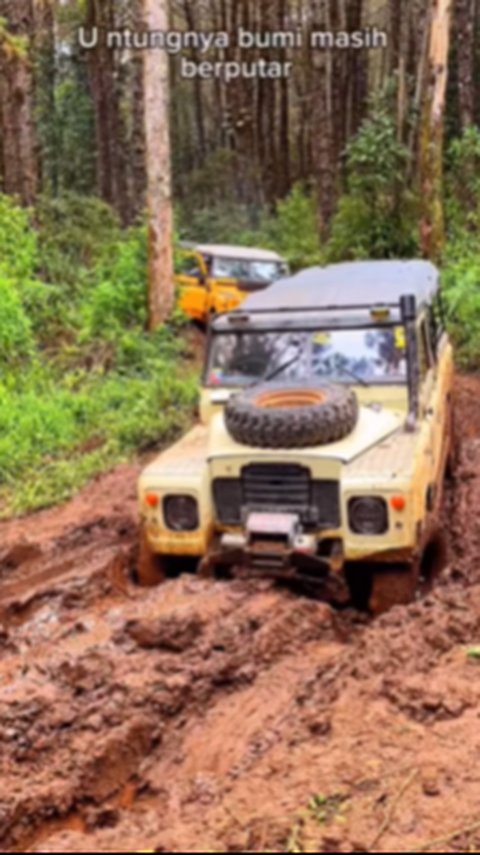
(326, 432)
(213, 279)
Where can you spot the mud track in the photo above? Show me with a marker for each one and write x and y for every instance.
(232, 717)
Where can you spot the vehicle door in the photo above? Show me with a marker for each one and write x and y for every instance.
(442, 393)
(434, 406)
(227, 276)
(191, 279)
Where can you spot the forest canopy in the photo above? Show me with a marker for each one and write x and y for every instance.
(370, 151)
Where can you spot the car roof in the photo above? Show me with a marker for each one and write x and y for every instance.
(361, 283)
(238, 252)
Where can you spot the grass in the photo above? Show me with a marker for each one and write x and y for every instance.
(82, 386)
(321, 812)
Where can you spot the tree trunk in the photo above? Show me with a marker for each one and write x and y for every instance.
(161, 291)
(432, 226)
(466, 20)
(191, 20)
(17, 138)
(105, 90)
(44, 48)
(325, 132)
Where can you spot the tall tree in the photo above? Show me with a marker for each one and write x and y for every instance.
(105, 90)
(17, 132)
(466, 19)
(161, 292)
(432, 226)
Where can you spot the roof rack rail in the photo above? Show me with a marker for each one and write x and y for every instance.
(238, 313)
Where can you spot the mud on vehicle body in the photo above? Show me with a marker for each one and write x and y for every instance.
(326, 431)
(212, 279)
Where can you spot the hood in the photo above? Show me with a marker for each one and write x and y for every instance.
(372, 427)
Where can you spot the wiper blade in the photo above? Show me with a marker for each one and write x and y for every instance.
(274, 374)
(354, 376)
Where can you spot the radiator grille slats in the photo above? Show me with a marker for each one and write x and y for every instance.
(282, 488)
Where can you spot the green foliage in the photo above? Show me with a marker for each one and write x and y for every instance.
(461, 279)
(377, 217)
(75, 233)
(473, 654)
(49, 425)
(463, 183)
(81, 384)
(293, 231)
(11, 45)
(118, 299)
(461, 263)
(74, 152)
(18, 243)
(16, 338)
(221, 223)
(290, 230)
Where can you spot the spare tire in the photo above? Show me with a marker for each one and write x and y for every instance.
(293, 416)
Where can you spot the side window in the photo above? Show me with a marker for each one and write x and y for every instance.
(190, 264)
(186, 264)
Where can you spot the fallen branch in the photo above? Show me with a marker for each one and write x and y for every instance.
(442, 841)
(391, 813)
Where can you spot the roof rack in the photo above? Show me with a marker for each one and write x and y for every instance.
(362, 307)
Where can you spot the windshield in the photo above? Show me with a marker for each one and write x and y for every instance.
(365, 356)
(250, 271)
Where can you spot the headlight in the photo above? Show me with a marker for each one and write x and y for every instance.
(368, 515)
(181, 513)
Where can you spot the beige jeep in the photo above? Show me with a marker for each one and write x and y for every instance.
(325, 436)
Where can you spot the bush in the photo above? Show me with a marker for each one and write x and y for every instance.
(18, 241)
(293, 231)
(461, 281)
(17, 343)
(81, 385)
(290, 230)
(378, 216)
(75, 233)
(117, 300)
(463, 183)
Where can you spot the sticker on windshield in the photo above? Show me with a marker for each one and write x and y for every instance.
(400, 338)
(216, 376)
(322, 338)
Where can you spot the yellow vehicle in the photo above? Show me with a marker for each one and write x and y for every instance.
(214, 279)
(325, 436)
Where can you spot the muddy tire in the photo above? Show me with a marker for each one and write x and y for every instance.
(402, 584)
(395, 586)
(273, 416)
(151, 568)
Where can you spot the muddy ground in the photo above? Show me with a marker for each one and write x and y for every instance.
(218, 717)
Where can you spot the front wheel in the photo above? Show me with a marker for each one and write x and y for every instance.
(401, 584)
(395, 586)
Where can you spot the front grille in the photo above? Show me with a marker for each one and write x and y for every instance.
(278, 488)
(271, 486)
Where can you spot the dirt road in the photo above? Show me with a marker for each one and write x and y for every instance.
(232, 717)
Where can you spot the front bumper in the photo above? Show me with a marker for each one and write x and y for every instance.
(274, 546)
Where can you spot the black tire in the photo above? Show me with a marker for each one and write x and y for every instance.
(402, 584)
(394, 586)
(293, 416)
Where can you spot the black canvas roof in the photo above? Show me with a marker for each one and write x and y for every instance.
(362, 283)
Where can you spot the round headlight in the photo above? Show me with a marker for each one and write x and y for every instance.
(181, 513)
(368, 515)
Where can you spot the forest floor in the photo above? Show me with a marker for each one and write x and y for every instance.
(209, 716)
